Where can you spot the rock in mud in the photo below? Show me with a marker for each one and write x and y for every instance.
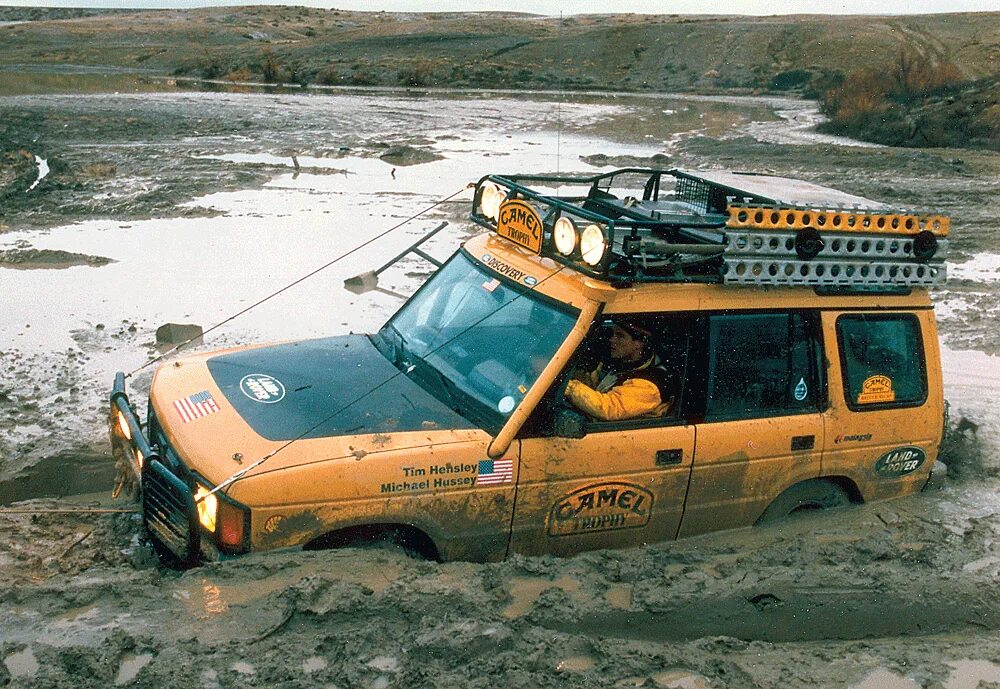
(173, 334)
(408, 155)
(602, 160)
(27, 259)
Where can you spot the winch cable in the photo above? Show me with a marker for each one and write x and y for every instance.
(243, 472)
(299, 280)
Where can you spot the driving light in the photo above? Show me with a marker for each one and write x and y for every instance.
(490, 198)
(139, 460)
(208, 507)
(123, 426)
(564, 235)
(592, 245)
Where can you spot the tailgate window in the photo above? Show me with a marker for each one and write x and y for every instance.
(882, 357)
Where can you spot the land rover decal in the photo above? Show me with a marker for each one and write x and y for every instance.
(262, 388)
(899, 462)
(601, 507)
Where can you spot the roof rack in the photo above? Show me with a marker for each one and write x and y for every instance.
(648, 225)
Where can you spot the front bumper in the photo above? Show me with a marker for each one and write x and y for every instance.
(169, 512)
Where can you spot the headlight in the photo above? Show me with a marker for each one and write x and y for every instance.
(564, 236)
(208, 507)
(139, 460)
(123, 425)
(592, 245)
(490, 198)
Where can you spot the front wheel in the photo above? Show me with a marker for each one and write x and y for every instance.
(815, 494)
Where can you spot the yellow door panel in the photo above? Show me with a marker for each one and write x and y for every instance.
(610, 489)
(741, 466)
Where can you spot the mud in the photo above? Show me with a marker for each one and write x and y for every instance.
(182, 190)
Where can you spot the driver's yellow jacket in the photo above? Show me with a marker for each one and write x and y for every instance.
(609, 396)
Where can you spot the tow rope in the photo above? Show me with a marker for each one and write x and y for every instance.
(323, 267)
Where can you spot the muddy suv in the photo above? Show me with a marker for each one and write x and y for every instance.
(790, 326)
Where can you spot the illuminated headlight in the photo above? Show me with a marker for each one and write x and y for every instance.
(564, 236)
(592, 245)
(123, 425)
(208, 507)
(490, 198)
(139, 459)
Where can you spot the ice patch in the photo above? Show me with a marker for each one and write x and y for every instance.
(243, 668)
(313, 664)
(43, 171)
(983, 267)
(884, 679)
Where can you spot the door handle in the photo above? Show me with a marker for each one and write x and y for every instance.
(667, 457)
(803, 442)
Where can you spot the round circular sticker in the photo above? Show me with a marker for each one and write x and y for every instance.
(506, 405)
(263, 388)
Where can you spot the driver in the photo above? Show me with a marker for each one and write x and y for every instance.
(631, 384)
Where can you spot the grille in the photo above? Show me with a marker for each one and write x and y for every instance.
(169, 511)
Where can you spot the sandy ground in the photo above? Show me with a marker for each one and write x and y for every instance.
(201, 189)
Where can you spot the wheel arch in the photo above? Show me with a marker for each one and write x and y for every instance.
(848, 485)
(407, 536)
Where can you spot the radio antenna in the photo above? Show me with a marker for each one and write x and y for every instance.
(559, 96)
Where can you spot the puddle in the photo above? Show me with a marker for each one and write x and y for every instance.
(680, 679)
(208, 598)
(619, 596)
(22, 663)
(576, 664)
(131, 666)
(524, 591)
(972, 674)
(68, 473)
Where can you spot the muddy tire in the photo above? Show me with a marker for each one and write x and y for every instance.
(816, 494)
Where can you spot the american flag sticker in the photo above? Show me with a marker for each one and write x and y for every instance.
(491, 285)
(495, 471)
(196, 406)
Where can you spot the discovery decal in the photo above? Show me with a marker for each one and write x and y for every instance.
(509, 270)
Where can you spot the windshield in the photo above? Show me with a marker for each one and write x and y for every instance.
(474, 341)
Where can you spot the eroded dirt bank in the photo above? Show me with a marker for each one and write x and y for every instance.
(899, 594)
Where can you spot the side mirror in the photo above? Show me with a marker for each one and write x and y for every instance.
(569, 423)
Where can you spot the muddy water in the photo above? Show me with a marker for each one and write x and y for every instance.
(901, 594)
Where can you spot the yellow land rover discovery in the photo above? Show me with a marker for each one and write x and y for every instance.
(789, 325)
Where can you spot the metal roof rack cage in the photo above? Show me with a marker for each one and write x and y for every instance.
(648, 225)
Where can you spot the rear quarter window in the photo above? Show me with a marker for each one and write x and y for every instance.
(882, 357)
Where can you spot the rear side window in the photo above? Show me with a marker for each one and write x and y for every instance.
(762, 364)
(882, 357)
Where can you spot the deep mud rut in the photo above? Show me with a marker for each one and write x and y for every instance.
(900, 594)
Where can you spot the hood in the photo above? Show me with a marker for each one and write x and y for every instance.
(322, 388)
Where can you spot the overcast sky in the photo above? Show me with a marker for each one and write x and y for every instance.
(567, 7)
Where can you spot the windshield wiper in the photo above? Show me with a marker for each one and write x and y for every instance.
(445, 384)
(400, 350)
